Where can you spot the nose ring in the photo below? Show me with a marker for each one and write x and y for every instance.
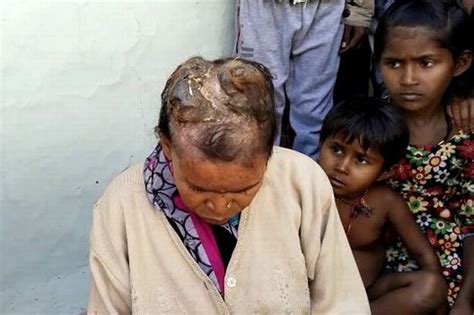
(229, 204)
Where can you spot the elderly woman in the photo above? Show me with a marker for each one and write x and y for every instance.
(218, 221)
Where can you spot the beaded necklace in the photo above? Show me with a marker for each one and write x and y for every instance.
(358, 206)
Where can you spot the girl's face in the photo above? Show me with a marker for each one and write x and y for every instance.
(215, 191)
(415, 69)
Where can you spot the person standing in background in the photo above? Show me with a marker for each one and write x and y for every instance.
(300, 41)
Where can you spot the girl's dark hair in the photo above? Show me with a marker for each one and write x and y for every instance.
(218, 102)
(451, 26)
(373, 122)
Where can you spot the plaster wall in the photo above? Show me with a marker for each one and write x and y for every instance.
(80, 86)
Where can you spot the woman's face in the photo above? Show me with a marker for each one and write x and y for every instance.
(214, 190)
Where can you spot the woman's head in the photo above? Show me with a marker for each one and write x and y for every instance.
(423, 40)
(224, 109)
(217, 126)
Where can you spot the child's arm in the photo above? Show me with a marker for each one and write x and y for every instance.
(465, 300)
(402, 220)
(357, 18)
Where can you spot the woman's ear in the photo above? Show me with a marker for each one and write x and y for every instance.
(463, 62)
(166, 145)
(387, 173)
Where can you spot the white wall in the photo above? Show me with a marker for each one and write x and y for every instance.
(80, 86)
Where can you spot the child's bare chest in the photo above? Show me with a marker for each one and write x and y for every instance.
(364, 231)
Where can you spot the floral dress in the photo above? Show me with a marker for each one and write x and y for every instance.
(436, 182)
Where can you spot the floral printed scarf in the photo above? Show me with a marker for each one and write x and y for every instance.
(196, 235)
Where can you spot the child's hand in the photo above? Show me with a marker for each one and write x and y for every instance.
(469, 5)
(352, 37)
(461, 113)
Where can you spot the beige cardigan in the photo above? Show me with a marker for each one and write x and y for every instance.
(291, 255)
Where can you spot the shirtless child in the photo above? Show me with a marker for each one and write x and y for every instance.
(361, 141)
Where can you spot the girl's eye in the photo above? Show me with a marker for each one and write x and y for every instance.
(427, 63)
(336, 148)
(362, 160)
(394, 64)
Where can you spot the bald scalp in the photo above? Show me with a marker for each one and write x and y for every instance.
(226, 142)
(223, 108)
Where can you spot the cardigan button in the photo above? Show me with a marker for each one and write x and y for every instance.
(231, 282)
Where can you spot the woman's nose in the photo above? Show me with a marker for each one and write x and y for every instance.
(217, 204)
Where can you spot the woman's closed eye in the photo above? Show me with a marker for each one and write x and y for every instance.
(196, 190)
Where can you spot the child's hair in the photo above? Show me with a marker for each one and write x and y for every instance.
(373, 122)
(451, 26)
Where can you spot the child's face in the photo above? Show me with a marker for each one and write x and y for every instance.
(350, 169)
(415, 68)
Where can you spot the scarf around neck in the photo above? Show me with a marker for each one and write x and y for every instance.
(196, 235)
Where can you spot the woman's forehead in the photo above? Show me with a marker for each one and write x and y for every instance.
(219, 176)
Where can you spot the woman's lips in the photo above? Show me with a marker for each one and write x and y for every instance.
(215, 221)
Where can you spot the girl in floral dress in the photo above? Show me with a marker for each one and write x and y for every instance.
(424, 49)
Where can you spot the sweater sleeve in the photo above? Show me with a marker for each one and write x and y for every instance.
(109, 291)
(334, 281)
